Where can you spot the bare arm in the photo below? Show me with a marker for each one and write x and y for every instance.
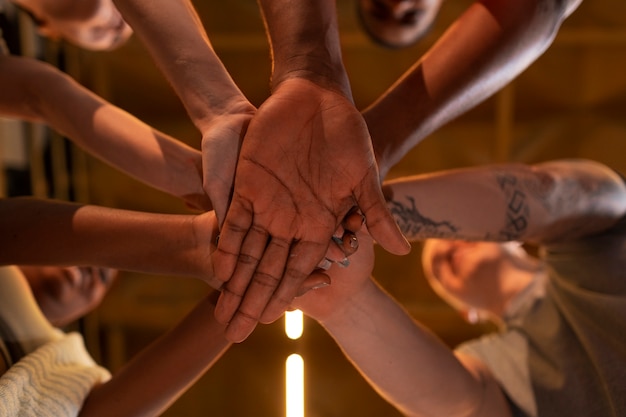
(402, 360)
(46, 232)
(407, 364)
(486, 48)
(162, 372)
(546, 202)
(297, 176)
(304, 41)
(173, 33)
(35, 91)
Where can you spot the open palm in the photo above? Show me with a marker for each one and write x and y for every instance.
(306, 160)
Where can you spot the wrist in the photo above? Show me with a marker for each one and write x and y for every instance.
(304, 40)
(209, 104)
(354, 309)
(328, 75)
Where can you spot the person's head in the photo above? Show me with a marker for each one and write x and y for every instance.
(89, 24)
(65, 294)
(397, 23)
(478, 278)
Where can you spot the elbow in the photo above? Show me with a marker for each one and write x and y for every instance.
(537, 21)
(575, 198)
(557, 11)
(549, 16)
(569, 6)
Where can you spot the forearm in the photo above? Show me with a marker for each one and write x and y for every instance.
(486, 48)
(38, 92)
(546, 202)
(162, 372)
(173, 34)
(402, 360)
(304, 39)
(46, 232)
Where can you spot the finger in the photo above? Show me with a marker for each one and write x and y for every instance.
(236, 225)
(302, 260)
(335, 252)
(340, 249)
(349, 243)
(217, 185)
(219, 203)
(234, 290)
(345, 242)
(353, 221)
(386, 232)
(380, 223)
(325, 264)
(265, 280)
(316, 280)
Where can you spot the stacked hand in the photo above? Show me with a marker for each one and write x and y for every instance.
(305, 163)
(345, 283)
(221, 144)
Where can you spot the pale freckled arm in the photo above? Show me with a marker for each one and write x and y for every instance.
(546, 202)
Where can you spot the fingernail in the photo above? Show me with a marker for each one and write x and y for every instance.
(344, 263)
(325, 264)
(320, 285)
(301, 291)
(354, 242)
(338, 240)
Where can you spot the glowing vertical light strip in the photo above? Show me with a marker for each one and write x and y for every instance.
(294, 379)
(294, 375)
(294, 325)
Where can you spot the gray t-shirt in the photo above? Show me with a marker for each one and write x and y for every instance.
(567, 354)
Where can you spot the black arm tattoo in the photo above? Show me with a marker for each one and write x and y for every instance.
(517, 210)
(415, 225)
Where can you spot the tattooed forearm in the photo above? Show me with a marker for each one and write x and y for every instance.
(517, 211)
(417, 226)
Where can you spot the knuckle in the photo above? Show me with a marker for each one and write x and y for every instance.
(248, 317)
(219, 251)
(247, 259)
(281, 242)
(283, 301)
(260, 230)
(295, 274)
(227, 289)
(234, 228)
(266, 279)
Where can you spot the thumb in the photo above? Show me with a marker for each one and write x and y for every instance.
(380, 223)
(317, 279)
(219, 196)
